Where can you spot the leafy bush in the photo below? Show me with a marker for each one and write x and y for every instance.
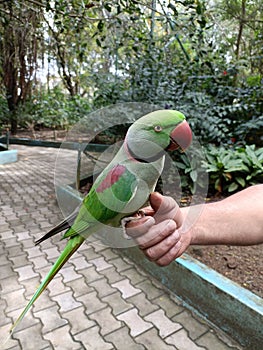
(224, 113)
(53, 110)
(192, 175)
(232, 169)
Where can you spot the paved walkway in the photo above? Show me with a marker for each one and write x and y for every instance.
(100, 300)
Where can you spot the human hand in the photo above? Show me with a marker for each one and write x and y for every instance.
(157, 233)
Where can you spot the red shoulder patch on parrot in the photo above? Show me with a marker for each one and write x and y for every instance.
(113, 176)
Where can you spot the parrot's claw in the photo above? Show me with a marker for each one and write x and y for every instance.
(140, 214)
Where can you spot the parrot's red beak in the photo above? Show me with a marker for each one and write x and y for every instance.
(181, 137)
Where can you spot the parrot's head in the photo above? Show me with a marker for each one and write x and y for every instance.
(157, 132)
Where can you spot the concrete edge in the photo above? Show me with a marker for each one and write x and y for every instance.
(7, 157)
(232, 308)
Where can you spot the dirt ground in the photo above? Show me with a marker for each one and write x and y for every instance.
(243, 265)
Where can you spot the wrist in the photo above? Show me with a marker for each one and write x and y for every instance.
(187, 227)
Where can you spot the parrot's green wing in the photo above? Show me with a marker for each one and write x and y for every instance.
(106, 200)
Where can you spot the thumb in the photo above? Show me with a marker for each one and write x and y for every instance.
(156, 200)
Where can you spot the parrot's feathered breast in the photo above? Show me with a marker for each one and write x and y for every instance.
(106, 200)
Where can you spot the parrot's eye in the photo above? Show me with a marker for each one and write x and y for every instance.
(158, 128)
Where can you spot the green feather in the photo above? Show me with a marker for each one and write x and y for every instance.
(100, 208)
(72, 245)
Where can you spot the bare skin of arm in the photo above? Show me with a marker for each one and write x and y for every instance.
(236, 220)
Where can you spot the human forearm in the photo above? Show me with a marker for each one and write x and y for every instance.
(166, 231)
(236, 220)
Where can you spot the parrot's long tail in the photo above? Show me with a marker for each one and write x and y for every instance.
(73, 244)
(63, 225)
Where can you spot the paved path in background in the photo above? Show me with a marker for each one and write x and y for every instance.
(99, 300)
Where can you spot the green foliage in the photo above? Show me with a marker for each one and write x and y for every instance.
(203, 58)
(230, 114)
(231, 169)
(53, 109)
(192, 175)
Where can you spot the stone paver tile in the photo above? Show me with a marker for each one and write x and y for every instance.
(91, 302)
(100, 264)
(3, 259)
(106, 321)
(44, 225)
(15, 300)
(7, 234)
(48, 244)
(164, 325)
(69, 274)
(90, 274)
(61, 339)
(12, 242)
(9, 284)
(7, 271)
(79, 287)
(112, 275)
(57, 286)
(4, 228)
(3, 318)
(9, 343)
(109, 254)
(142, 304)
(26, 272)
(181, 340)
(19, 348)
(21, 236)
(15, 251)
(134, 276)
(151, 340)
(97, 244)
(92, 340)
(80, 263)
(102, 287)
(121, 338)
(35, 341)
(126, 289)
(84, 247)
(149, 289)
(30, 286)
(210, 341)
(66, 302)
(195, 328)
(40, 262)
(52, 253)
(28, 321)
(43, 302)
(45, 270)
(78, 320)
(90, 254)
(136, 324)
(50, 319)
(120, 264)
(170, 307)
(33, 252)
(117, 303)
(27, 244)
(19, 261)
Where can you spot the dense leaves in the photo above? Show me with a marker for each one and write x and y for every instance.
(60, 59)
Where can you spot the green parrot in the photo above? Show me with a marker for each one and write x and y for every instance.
(123, 187)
